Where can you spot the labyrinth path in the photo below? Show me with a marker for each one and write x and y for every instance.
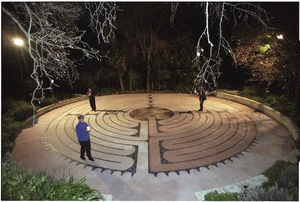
(153, 133)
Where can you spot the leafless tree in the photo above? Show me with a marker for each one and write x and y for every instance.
(52, 35)
(212, 43)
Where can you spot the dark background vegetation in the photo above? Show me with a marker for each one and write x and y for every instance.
(171, 62)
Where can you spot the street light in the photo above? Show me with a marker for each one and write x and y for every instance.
(18, 41)
(280, 36)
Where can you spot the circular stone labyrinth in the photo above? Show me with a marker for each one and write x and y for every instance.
(154, 133)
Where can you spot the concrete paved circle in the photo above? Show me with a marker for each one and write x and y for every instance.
(155, 146)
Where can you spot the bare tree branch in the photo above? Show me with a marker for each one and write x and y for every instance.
(209, 48)
(103, 15)
(52, 37)
(174, 7)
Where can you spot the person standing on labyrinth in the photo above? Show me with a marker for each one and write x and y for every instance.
(202, 95)
(91, 96)
(82, 131)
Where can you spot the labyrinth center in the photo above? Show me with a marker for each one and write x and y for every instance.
(154, 133)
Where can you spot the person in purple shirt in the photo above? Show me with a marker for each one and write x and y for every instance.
(82, 131)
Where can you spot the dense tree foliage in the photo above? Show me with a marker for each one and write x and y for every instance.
(146, 54)
(271, 56)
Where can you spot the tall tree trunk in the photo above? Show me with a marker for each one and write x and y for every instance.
(148, 77)
(148, 64)
(121, 83)
(130, 85)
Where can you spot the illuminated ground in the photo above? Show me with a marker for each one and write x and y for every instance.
(155, 146)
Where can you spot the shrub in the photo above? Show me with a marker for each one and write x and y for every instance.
(274, 173)
(54, 98)
(107, 91)
(11, 122)
(5, 104)
(22, 112)
(48, 101)
(63, 95)
(11, 126)
(17, 109)
(215, 196)
(282, 185)
(181, 88)
(10, 130)
(279, 103)
(286, 175)
(260, 194)
(19, 184)
(290, 180)
(249, 91)
(6, 144)
(272, 101)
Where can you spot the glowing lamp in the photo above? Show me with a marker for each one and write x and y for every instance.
(280, 36)
(18, 42)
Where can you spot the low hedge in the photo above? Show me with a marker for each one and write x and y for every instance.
(282, 185)
(19, 184)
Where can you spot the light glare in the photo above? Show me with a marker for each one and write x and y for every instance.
(280, 36)
(18, 41)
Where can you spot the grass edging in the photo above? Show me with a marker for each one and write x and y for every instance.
(234, 188)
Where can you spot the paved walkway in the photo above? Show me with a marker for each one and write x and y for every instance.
(155, 146)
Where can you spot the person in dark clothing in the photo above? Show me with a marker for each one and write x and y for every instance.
(91, 96)
(202, 95)
(82, 131)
